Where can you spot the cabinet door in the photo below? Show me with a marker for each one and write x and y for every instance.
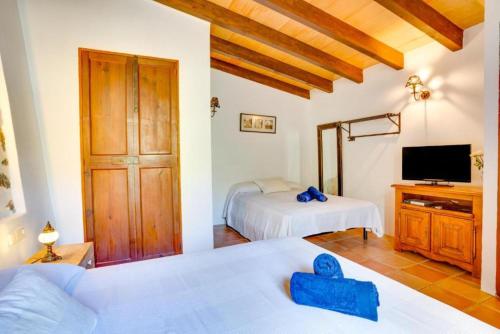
(107, 143)
(157, 179)
(452, 237)
(415, 229)
(130, 153)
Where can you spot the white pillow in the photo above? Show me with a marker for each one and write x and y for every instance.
(272, 185)
(295, 185)
(32, 304)
(63, 275)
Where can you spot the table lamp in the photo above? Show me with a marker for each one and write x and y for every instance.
(48, 237)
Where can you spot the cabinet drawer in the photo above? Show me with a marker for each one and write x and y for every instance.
(452, 237)
(415, 229)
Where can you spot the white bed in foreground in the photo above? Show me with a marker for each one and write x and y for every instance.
(244, 289)
(259, 216)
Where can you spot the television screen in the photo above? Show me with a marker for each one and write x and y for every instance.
(448, 163)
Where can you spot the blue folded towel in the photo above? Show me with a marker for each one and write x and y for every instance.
(316, 194)
(342, 295)
(327, 266)
(304, 197)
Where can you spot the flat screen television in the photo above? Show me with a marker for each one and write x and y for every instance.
(437, 163)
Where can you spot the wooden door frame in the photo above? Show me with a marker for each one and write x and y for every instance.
(340, 173)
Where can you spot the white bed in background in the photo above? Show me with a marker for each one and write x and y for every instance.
(259, 216)
(244, 289)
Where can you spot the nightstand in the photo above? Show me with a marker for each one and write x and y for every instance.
(78, 254)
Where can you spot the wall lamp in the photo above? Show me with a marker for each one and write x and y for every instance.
(214, 104)
(418, 90)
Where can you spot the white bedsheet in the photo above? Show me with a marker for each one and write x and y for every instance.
(278, 215)
(244, 289)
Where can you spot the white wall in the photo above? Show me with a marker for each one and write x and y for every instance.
(453, 116)
(241, 156)
(29, 148)
(491, 28)
(54, 30)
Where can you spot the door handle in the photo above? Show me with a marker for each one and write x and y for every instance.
(126, 161)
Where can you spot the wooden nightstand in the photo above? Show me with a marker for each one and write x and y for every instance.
(78, 254)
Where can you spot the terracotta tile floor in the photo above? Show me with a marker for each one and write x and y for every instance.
(447, 283)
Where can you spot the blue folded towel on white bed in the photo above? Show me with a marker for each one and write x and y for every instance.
(317, 195)
(328, 289)
(327, 266)
(310, 194)
(304, 197)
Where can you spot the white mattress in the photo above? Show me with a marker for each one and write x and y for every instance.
(244, 289)
(278, 215)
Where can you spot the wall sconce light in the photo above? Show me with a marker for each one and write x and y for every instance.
(418, 90)
(214, 104)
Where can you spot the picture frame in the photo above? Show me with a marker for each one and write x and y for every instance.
(257, 123)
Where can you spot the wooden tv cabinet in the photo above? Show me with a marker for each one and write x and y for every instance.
(449, 233)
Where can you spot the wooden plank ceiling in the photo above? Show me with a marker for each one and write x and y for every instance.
(300, 45)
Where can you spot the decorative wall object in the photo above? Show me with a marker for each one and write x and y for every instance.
(7, 206)
(214, 105)
(11, 193)
(257, 123)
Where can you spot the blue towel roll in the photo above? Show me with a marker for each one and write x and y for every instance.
(316, 194)
(327, 266)
(342, 295)
(304, 197)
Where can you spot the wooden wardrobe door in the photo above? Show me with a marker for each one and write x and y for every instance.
(158, 191)
(107, 113)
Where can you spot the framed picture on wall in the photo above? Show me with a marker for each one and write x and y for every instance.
(257, 123)
(11, 188)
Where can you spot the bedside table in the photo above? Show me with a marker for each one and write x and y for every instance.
(78, 254)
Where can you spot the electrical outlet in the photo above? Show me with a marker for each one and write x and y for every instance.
(15, 236)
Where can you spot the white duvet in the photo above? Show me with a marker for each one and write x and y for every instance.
(259, 216)
(244, 289)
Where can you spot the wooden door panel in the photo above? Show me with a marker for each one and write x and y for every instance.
(452, 237)
(157, 211)
(108, 104)
(111, 219)
(415, 228)
(155, 114)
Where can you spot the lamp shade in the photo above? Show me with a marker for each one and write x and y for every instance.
(414, 81)
(49, 235)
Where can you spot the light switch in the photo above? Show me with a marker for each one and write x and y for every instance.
(16, 236)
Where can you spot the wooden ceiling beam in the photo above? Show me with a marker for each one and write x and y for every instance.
(257, 77)
(315, 18)
(239, 52)
(240, 24)
(427, 19)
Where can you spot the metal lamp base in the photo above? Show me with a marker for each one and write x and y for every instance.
(50, 256)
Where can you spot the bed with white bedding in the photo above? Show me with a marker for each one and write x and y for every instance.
(244, 289)
(259, 216)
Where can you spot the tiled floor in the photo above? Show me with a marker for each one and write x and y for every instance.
(447, 283)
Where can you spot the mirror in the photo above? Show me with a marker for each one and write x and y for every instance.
(330, 158)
